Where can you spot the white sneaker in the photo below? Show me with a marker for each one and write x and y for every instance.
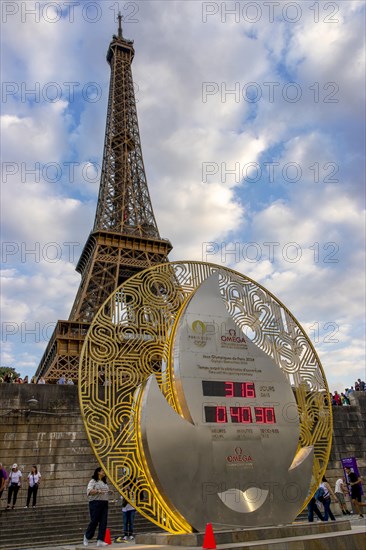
(85, 541)
(101, 543)
(132, 537)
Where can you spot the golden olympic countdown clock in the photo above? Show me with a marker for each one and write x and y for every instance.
(199, 388)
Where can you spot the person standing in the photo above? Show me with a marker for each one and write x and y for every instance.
(355, 485)
(337, 398)
(14, 484)
(313, 507)
(3, 477)
(339, 491)
(34, 479)
(345, 401)
(97, 492)
(128, 512)
(326, 499)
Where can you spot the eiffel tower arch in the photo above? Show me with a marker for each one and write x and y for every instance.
(125, 238)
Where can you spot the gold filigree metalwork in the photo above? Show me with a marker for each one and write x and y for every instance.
(129, 340)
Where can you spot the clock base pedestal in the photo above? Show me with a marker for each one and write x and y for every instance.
(268, 535)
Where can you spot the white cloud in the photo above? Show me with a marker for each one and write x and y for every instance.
(175, 54)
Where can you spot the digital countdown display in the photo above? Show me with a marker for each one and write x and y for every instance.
(221, 414)
(216, 388)
(240, 415)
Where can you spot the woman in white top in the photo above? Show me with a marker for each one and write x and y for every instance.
(14, 484)
(97, 492)
(34, 479)
(326, 499)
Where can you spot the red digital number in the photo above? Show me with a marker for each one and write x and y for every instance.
(246, 415)
(249, 390)
(221, 414)
(235, 414)
(264, 415)
(229, 389)
(269, 415)
(259, 415)
(241, 415)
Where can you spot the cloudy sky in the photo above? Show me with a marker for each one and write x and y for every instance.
(253, 131)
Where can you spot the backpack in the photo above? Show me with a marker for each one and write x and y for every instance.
(319, 494)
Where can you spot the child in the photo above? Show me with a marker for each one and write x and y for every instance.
(128, 515)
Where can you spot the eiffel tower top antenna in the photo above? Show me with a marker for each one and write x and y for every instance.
(120, 25)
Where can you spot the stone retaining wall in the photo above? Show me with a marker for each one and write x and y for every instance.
(52, 436)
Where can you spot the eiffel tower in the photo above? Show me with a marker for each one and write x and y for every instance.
(125, 238)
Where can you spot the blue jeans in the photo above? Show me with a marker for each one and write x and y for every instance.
(312, 507)
(98, 510)
(128, 519)
(327, 511)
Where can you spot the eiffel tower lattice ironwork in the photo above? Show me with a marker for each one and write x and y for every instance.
(125, 238)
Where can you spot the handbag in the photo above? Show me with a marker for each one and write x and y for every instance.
(319, 494)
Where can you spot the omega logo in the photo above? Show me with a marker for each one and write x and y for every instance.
(233, 337)
(239, 456)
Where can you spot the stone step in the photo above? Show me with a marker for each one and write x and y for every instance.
(348, 540)
(331, 536)
(54, 511)
(228, 537)
(20, 528)
(70, 526)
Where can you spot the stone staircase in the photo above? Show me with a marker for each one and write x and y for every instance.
(338, 535)
(53, 525)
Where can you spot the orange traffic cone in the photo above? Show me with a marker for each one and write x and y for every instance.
(107, 537)
(209, 539)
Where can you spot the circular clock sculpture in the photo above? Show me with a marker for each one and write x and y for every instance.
(202, 392)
